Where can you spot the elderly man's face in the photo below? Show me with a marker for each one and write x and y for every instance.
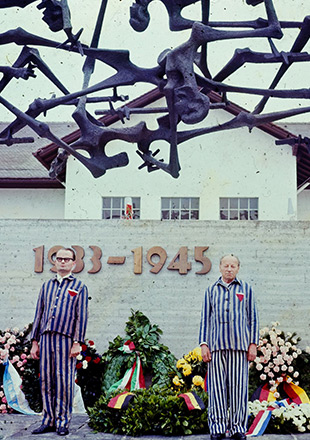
(229, 268)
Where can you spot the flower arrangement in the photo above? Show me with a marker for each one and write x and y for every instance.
(285, 419)
(89, 373)
(191, 371)
(278, 364)
(15, 346)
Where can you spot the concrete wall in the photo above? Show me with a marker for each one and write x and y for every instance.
(303, 205)
(32, 203)
(274, 258)
(232, 163)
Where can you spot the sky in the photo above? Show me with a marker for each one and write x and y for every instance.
(144, 50)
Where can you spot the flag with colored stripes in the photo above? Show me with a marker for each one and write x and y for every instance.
(260, 423)
(121, 401)
(263, 393)
(295, 393)
(133, 378)
(193, 401)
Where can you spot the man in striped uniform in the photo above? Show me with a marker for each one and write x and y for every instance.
(58, 329)
(229, 335)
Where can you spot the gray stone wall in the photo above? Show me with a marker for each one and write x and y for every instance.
(274, 259)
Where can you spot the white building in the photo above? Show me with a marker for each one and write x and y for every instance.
(232, 174)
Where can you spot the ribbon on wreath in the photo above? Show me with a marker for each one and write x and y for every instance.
(295, 395)
(132, 380)
(192, 401)
(12, 389)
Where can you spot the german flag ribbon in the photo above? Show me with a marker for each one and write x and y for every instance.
(121, 401)
(192, 401)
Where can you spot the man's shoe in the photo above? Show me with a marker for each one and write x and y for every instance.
(217, 436)
(43, 428)
(238, 436)
(62, 431)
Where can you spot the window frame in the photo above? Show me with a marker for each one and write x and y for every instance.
(117, 205)
(234, 208)
(179, 208)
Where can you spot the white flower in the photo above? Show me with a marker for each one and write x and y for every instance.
(296, 374)
(263, 377)
(79, 357)
(85, 365)
(259, 367)
(276, 395)
(290, 369)
(284, 368)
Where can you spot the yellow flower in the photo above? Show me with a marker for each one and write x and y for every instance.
(180, 363)
(197, 353)
(198, 381)
(176, 381)
(188, 357)
(187, 369)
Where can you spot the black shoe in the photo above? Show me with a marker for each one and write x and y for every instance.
(43, 428)
(62, 431)
(217, 436)
(238, 436)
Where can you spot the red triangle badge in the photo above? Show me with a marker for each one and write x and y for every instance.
(240, 296)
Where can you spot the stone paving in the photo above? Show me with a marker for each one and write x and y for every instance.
(19, 427)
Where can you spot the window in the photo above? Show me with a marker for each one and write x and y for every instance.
(114, 207)
(180, 208)
(235, 208)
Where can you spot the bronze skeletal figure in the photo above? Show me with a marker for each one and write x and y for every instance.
(182, 74)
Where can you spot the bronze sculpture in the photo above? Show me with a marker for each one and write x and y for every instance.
(182, 74)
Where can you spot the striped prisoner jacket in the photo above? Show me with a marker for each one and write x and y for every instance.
(229, 319)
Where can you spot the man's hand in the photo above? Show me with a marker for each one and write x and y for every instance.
(205, 353)
(35, 351)
(252, 352)
(75, 349)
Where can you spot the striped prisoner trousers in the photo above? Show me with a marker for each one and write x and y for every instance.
(228, 379)
(57, 376)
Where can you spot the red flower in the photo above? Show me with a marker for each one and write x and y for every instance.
(84, 347)
(91, 343)
(97, 360)
(79, 365)
(88, 358)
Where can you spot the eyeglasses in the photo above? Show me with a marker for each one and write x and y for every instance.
(66, 260)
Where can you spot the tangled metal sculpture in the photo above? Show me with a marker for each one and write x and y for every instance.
(182, 75)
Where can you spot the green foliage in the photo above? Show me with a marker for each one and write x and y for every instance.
(151, 411)
(157, 360)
